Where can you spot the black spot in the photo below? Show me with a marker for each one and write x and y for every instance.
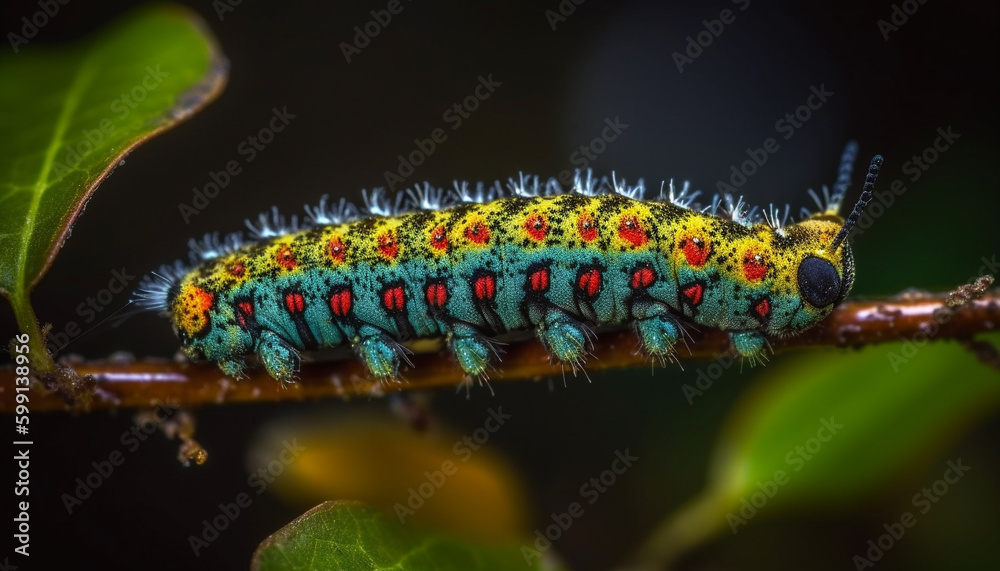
(819, 283)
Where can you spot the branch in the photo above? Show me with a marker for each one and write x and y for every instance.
(96, 385)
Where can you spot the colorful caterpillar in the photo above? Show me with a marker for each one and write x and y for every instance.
(468, 266)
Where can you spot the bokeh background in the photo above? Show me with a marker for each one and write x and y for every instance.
(557, 88)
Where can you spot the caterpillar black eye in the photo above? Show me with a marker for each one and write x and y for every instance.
(819, 283)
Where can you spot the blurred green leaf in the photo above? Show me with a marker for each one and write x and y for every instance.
(68, 116)
(388, 458)
(348, 535)
(825, 428)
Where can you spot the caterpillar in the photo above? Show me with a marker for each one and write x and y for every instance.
(473, 264)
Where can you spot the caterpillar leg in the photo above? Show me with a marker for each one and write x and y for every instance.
(233, 367)
(278, 356)
(749, 344)
(472, 350)
(565, 338)
(658, 334)
(380, 353)
(657, 328)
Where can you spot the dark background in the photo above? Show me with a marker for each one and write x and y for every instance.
(606, 60)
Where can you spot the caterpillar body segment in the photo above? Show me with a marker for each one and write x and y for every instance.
(469, 267)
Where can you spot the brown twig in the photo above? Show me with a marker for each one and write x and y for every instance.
(954, 315)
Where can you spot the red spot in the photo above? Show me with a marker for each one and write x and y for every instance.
(437, 295)
(590, 282)
(286, 258)
(439, 239)
(754, 267)
(642, 278)
(539, 280)
(394, 299)
(485, 287)
(237, 270)
(199, 299)
(336, 250)
(388, 246)
(537, 226)
(693, 293)
(294, 302)
(696, 251)
(244, 313)
(340, 302)
(586, 226)
(763, 308)
(631, 231)
(477, 233)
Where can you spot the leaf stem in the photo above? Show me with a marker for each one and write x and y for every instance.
(24, 313)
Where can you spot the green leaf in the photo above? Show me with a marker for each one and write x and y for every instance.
(68, 116)
(824, 429)
(348, 535)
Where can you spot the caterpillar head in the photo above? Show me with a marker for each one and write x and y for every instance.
(820, 276)
(822, 259)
